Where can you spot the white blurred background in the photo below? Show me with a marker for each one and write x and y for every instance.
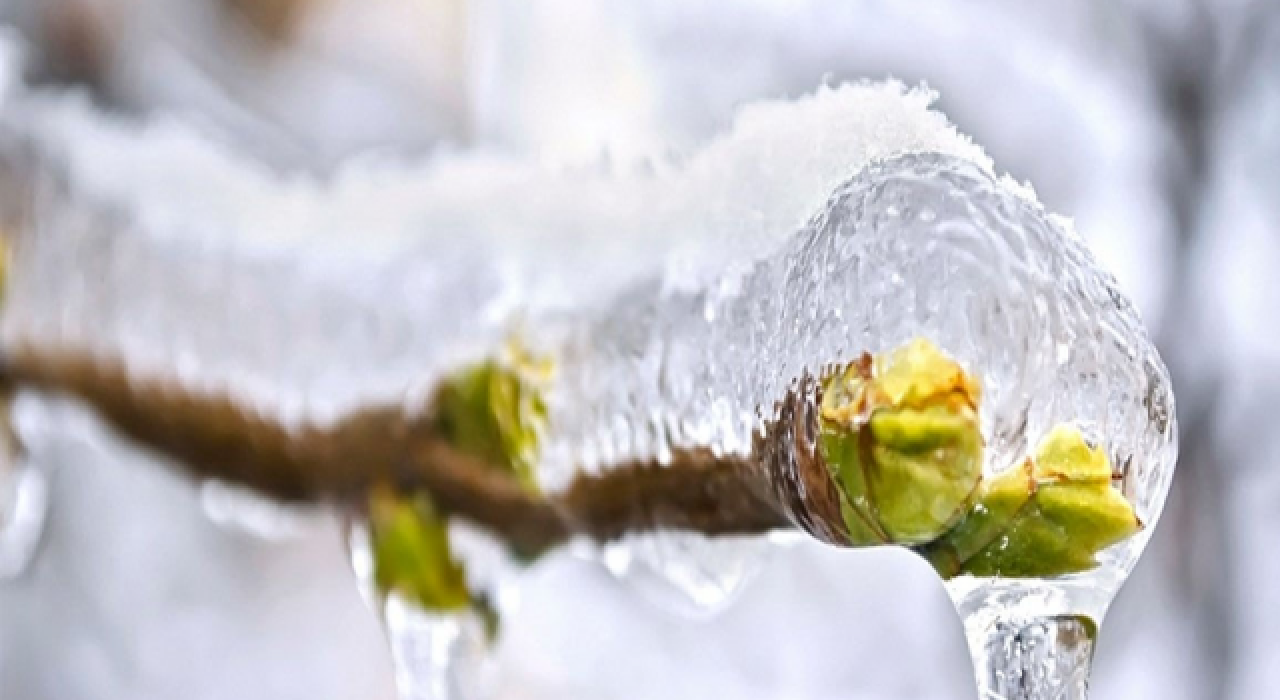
(1154, 123)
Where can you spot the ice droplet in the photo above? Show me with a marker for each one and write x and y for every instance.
(686, 573)
(360, 552)
(24, 500)
(241, 510)
(437, 655)
(1030, 640)
(24, 503)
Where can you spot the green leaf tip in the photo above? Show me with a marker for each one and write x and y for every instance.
(495, 412)
(901, 436)
(1047, 517)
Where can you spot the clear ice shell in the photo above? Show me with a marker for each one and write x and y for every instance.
(919, 245)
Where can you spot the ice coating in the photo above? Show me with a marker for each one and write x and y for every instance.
(205, 264)
(923, 245)
(306, 298)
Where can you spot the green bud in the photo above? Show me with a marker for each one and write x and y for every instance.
(495, 412)
(901, 436)
(1049, 516)
(411, 552)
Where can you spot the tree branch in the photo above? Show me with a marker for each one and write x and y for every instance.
(214, 436)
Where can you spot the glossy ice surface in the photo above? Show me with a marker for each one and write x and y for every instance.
(307, 298)
(922, 245)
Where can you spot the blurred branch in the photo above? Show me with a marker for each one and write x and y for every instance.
(75, 42)
(1194, 76)
(273, 20)
(214, 436)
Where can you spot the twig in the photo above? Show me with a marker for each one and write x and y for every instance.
(214, 436)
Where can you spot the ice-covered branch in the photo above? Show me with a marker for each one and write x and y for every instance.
(884, 451)
(276, 305)
(838, 317)
(211, 436)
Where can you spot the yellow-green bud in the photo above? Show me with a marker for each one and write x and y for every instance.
(1049, 516)
(411, 552)
(901, 436)
(495, 412)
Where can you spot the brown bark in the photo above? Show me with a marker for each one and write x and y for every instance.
(214, 436)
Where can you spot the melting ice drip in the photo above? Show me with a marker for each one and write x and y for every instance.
(240, 510)
(918, 246)
(24, 500)
(437, 655)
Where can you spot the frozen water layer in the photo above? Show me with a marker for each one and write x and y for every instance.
(311, 297)
(314, 295)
